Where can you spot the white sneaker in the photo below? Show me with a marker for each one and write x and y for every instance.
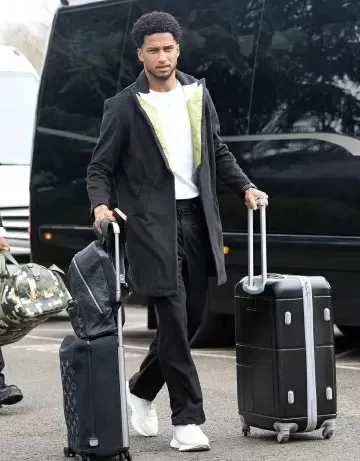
(144, 418)
(189, 438)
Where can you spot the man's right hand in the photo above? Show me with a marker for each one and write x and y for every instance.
(4, 245)
(102, 212)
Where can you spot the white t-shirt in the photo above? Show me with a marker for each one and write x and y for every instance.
(175, 123)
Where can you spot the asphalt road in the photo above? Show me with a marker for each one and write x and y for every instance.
(35, 428)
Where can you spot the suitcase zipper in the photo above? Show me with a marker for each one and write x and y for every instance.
(87, 286)
(310, 354)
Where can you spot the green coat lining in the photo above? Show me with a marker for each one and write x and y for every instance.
(194, 106)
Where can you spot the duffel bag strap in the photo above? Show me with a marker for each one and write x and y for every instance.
(6, 255)
(3, 270)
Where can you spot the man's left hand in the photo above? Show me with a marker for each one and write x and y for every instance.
(4, 244)
(252, 195)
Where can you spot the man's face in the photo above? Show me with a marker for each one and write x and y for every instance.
(159, 54)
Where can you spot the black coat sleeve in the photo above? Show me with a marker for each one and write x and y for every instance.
(105, 158)
(227, 168)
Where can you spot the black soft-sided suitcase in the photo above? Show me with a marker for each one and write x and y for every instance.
(94, 389)
(286, 378)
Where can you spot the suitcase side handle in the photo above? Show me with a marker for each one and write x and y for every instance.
(256, 284)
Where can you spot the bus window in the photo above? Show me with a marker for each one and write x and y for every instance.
(304, 126)
(82, 68)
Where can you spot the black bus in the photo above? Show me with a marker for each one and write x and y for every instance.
(285, 78)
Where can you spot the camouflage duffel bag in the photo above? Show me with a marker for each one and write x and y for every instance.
(28, 297)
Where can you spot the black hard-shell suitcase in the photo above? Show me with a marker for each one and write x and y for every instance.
(286, 375)
(94, 388)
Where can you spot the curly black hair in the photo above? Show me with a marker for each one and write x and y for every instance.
(155, 23)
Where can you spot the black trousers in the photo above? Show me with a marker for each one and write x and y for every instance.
(2, 366)
(179, 317)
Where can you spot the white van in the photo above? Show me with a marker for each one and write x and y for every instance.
(19, 85)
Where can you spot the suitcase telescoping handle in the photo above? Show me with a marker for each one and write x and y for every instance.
(256, 284)
(119, 229)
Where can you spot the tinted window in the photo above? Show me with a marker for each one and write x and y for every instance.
(307, 75)
(81, 71)
(83, 66)
(305, 108)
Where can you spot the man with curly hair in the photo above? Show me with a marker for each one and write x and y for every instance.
(160, 147)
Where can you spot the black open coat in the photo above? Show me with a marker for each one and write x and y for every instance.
(131, 155)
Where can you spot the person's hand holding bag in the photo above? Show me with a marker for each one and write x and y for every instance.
(4, 245)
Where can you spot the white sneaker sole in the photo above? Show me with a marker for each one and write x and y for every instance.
(200, 447)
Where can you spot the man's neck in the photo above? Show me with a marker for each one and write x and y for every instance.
(162, 86)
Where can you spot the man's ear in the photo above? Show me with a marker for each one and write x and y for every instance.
(140, 54)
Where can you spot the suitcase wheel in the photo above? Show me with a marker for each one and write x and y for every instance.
(328, 428)
(327, 433)
(283, 436)
(125, 456)
(68, 453)
(245, 429)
